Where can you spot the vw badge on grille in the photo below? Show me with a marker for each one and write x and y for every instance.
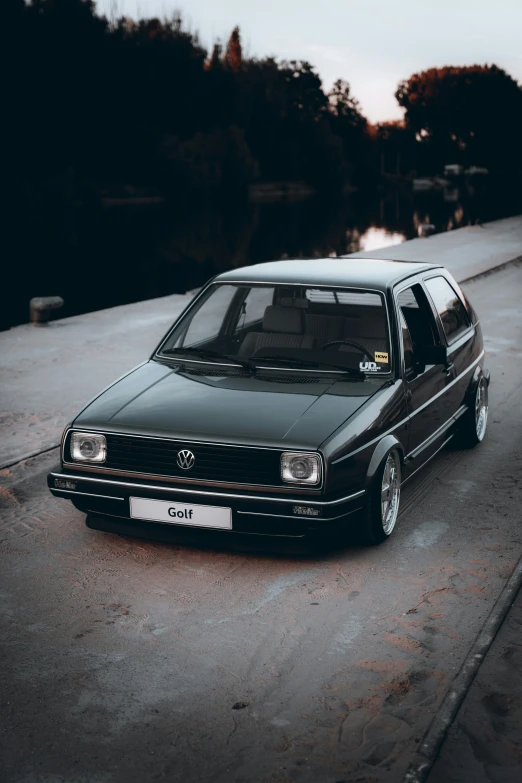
(185, 459)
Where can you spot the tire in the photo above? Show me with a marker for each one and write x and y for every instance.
(379, 519)
(475, 420)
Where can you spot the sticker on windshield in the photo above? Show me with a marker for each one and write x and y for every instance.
(380, 356)
(369, 367)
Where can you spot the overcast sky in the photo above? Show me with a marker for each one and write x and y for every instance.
(373, 44)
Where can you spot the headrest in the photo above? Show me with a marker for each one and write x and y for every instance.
(288, 301)
(283, 319)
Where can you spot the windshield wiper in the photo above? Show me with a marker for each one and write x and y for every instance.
(309, 363)
(207, 353)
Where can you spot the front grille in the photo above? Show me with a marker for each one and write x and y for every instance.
(231, 464)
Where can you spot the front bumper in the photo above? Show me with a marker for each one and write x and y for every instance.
(251, 513)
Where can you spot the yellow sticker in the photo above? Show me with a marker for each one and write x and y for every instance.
(380, 356)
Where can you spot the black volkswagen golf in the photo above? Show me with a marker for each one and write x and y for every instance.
(289, 398)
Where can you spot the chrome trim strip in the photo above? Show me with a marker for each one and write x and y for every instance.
(411, 416)
(449, 385)
(428, 460)
(155, 488)
(296, 516)
(425, 443)
(371, 442)
(81, 466)
(86, 494)
(461, 411)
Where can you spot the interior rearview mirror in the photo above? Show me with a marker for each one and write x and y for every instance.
(433, 354)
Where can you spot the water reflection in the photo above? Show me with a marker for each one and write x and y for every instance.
(375, 238)
(96, 256)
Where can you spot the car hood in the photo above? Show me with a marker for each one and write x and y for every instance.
(166, 401)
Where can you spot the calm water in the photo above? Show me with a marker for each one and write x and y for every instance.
(102, 257)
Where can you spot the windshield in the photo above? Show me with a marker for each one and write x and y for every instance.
(273, 325)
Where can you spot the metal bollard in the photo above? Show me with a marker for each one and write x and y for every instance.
(426, 229)
(40, 308)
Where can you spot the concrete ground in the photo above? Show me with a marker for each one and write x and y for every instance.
(485, 742)
(129, 661)
(50, 372)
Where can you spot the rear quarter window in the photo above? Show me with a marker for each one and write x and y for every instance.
(450, 307)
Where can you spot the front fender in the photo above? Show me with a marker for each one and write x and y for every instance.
(380, 451)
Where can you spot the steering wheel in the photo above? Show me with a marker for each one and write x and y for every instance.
(355, 345)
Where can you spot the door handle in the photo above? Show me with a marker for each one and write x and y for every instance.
(448, 368)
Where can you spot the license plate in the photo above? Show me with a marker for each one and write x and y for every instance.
(171, 513)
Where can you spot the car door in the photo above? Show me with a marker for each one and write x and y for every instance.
(429, 406)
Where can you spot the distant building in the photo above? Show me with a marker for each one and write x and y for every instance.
(453, 170)
(476, 170)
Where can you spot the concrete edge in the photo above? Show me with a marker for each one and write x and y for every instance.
(29, 456)
(492, 270)
(434, 737)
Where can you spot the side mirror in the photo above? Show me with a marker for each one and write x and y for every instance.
(433, 354)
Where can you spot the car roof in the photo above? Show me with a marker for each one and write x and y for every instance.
(346, 271)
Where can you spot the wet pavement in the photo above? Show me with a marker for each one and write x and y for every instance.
(126, 660)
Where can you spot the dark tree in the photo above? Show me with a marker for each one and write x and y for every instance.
(344, 105)
(214, 61)
(467, 114)
(350, 125)
(233, 55)
(397, 149)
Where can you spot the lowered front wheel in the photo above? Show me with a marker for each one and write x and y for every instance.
(382, 508)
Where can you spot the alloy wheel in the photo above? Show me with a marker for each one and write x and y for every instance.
(481, 409)
(390, 492)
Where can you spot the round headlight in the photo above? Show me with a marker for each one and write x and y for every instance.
(300, 468)
(89, 448)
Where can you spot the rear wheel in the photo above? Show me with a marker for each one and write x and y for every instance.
(475, 420)
(382, 508)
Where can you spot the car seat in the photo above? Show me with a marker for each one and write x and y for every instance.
(282, 328)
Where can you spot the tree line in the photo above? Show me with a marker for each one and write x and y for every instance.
(99, 103)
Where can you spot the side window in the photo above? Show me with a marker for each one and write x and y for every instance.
(254, 306)
(416, 311)
(449, 306)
